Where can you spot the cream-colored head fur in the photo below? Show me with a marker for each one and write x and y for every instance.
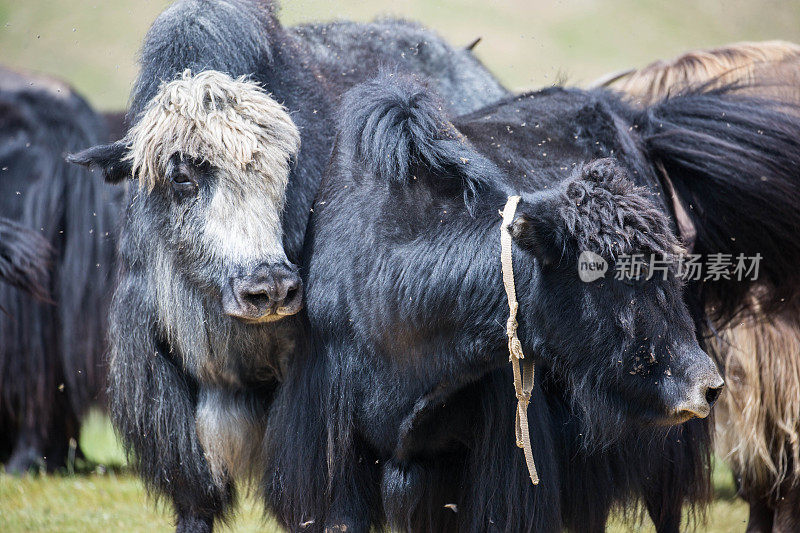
(777, 61)
(231, 123)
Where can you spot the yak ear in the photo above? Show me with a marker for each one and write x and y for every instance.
(538, 234)
(108, 158)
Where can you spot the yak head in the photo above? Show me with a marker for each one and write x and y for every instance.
(212, 156)
(602, 302)
(619, 349)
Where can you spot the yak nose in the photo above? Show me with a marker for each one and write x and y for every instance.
(268, 294)
(704, 385)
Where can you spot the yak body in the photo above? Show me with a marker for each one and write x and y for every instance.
(405, 402)
(190, 386)
(50, 355)
(351, 52)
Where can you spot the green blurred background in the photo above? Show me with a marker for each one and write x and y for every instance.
(527, 43)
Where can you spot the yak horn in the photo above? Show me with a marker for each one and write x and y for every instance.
(472, 45)
(608, 79)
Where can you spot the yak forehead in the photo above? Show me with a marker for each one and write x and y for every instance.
(231, 123)
(243, 222)
(607, 214)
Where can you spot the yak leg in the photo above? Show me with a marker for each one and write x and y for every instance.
(8, 435)
(191, 523)
(62, 435)
(761, 516)
(44, 442)
(421, 496)
(153, 406)
(781, 516)
(666, 517)
(27, 452)
(319, 475)
(153, 403)
(787, 511)
(351, 507)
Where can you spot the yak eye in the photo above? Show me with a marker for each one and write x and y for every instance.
(183, 179)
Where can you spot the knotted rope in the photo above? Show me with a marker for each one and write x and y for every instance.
(523, 369)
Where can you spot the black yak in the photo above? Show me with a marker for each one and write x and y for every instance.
(402, 413)
(203, 322)
(50, 356)
(758, 420)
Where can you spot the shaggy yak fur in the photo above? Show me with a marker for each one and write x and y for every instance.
(24, 258)
(50, 356)
(190, 386)
(402, 415)
(758, 420)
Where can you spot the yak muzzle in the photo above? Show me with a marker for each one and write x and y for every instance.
(270, 293)
(698, 392)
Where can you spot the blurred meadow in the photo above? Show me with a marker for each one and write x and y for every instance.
(527, 43)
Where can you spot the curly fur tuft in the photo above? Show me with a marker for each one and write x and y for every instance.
(609, 215)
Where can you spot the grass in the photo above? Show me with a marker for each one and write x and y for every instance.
(94, 503)
(105, 496)
(527, 43)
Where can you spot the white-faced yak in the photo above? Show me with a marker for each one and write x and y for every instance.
(402, 415)
(51, 352)
(231, 131)
(758, 420)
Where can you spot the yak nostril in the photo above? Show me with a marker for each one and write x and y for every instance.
(258, 299)
(712, 394)
(292, 301)
(291, 293)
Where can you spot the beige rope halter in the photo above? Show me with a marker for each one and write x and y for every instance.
(523, 369)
